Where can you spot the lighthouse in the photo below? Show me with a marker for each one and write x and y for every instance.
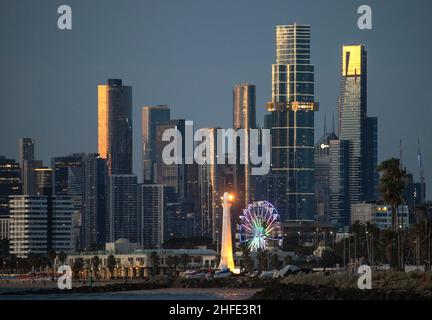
(227, 259)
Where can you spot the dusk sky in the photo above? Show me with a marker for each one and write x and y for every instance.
(188, 54)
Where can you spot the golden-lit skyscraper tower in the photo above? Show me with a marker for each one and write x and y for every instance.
(356, 127)
(115, 126)
(244, 117)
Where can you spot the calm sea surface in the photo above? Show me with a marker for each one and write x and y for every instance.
(170, 294)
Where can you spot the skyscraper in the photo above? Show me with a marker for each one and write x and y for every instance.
(94, 213)
(28, 175)
(209, 190)
(292, 124)
(153, 200)
(322, 175)
(371, 160)
(27, 164)
(68, 180)
(122, 207)
(43, 181)
(174, 175)
(25, 150)
(39, 224)
(151, 116)
(244, 117)
(115, 126)
(355, 127)
(67, 174)
(352, 114)
(10, 183)
(339, 209)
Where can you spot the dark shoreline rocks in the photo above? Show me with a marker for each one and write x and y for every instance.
(306, 292)
(270, 289)
(154, 284)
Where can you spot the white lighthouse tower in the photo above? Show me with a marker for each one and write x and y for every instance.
(227, 259)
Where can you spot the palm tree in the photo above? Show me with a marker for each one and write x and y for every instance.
(387, 243)
(78, 266)
(184, 260)
(154, 259)
(62, 257)
(36, 261)
(111, 264)
(95, 264)
(52, 255)
(171, 263)
(392, 189)
(392, 186)
(11, 263)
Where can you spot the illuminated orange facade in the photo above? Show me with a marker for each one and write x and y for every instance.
(115, 126)
(103, 121)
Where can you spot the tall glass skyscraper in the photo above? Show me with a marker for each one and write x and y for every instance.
(151, 116)
(173, 175)
(115, 126)
(355, 127)
(122, 208)
(25, 150)
(292, 124)
(244, 117)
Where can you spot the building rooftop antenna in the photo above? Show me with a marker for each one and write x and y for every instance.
(420, 161)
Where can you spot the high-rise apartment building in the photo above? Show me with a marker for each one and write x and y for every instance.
(339, 209)
(94, 201)
(151, 116)
(173, 175)
(122, 208)
(4, 228)
(153, 220)
(291, 121)
(39, 224)
(68, 180)
(10, 183)
(115, 126)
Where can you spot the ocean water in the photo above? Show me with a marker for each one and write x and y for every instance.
(173, 294)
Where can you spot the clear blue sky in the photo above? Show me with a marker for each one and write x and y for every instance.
(189, 54)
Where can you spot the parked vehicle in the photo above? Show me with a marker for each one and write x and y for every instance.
(194, 274)
(224, 273)
(268, 274)
(287, 270)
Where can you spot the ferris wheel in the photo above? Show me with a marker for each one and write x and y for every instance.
(260, 226)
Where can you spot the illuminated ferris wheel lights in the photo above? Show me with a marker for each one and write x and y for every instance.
(260, 226)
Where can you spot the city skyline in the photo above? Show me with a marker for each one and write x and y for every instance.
(328, 35)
